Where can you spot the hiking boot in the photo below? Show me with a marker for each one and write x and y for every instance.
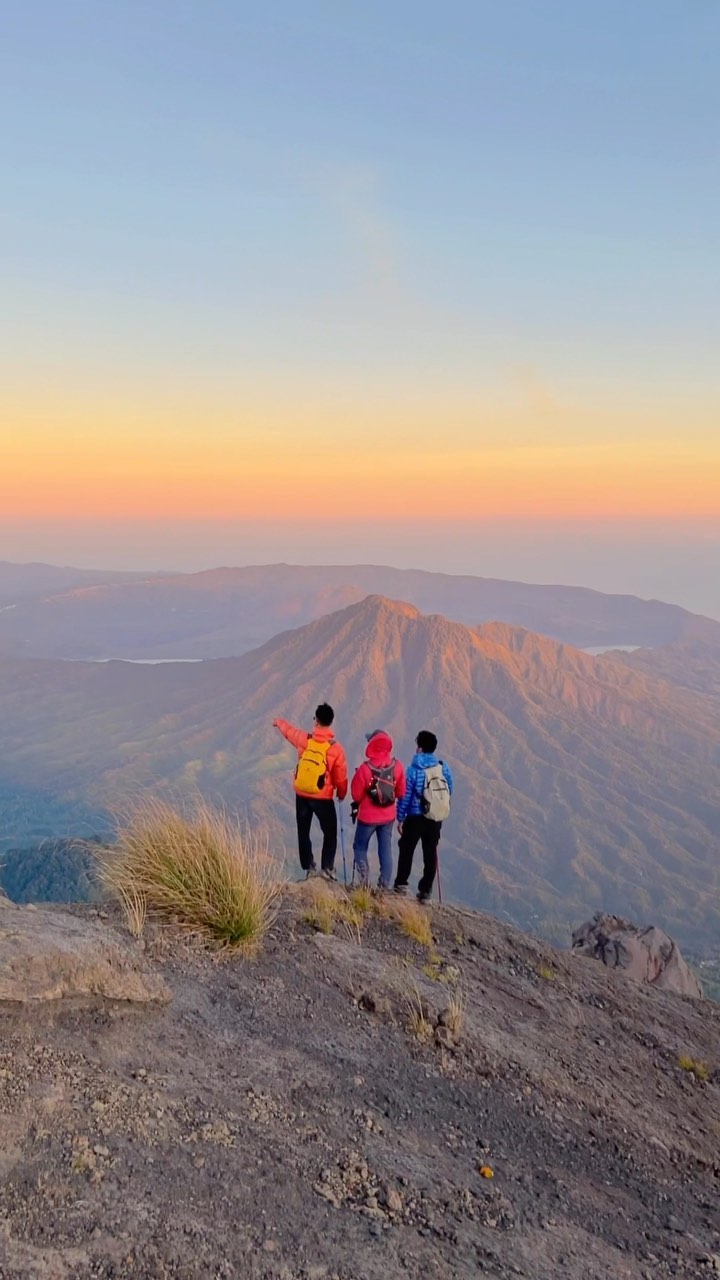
(327, 873)
(310, 873)
(424, 898)
(401, 889)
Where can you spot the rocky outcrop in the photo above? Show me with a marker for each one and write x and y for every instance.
(646, 955)
(48, 955)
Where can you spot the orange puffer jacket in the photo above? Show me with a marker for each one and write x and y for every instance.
(337, 778)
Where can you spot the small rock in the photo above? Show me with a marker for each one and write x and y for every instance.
(270, 1246)
(444, 1037)
(372, 1003)
(327, 1193)
(393, 1200)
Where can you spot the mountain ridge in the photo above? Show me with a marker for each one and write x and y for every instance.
(225, 612)
(582, 784)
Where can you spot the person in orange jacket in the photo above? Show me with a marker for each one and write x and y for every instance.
(320, 774)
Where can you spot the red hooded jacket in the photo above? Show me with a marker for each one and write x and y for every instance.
(379, 754)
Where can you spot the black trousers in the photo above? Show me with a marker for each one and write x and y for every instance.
(326, 814)
(418, 827)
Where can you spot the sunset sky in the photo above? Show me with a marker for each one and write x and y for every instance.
(445, 279)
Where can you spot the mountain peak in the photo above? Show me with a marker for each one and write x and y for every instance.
(378, 605)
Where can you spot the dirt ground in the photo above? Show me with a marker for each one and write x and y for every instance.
(324, 1110)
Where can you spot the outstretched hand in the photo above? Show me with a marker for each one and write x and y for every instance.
(275, 724)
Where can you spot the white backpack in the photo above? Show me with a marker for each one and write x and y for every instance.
(436, 794)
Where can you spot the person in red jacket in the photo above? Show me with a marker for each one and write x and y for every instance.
(378, 783)
(320, 774)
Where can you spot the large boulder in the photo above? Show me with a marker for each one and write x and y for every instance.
(45, 955)
(646, 955)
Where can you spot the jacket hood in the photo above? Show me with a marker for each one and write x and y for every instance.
(379, 748)
(425, 759)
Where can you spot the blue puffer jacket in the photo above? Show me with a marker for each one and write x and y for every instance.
(411, 804)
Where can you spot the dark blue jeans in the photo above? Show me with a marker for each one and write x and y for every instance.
(363, 832)
(326, 814)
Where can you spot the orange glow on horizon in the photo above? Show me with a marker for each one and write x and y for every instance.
(280, 462)
(196, 485)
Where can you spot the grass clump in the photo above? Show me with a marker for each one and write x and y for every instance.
(418, 1023)
(411, 918)
(321, 915)
(326, 908)
(454, 1015)
(134, 905)
(362, 899)
(700, 1070)
(546, 972)
(198, 869)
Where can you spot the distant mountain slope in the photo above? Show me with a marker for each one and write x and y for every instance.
(28, 581)
(56, 871)
(692, 664)
(226, 612)
(582, 784)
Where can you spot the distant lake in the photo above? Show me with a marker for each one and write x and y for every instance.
(143, 662)
(596, 649)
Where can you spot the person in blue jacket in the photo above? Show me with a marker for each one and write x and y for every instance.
(420, 814)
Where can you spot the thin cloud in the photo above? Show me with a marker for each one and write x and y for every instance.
(352, 196)
(355, 193)
(537, 393)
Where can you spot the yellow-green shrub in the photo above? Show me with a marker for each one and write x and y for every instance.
(197, 868)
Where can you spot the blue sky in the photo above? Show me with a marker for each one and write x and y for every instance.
(364, 209)
(543, 178)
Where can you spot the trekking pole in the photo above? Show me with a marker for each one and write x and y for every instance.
(437, 854)
(342, 842)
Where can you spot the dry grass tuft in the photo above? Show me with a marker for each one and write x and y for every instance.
(327, 908)
(134, 906)
(418, 1023)
(412, 919)
(700, 1070)
(546, 972)
(363, 900)
(321, 915)
(198, 869)
(454, 1015)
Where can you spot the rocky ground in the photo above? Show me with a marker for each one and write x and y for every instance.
(333, 1108)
